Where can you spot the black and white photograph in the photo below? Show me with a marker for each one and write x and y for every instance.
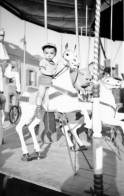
(61, 97)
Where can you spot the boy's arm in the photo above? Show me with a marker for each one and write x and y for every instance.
(42, 67)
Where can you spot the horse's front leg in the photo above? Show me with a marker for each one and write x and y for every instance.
(19, 130)
(33, 134)
(41, 127)
(37, 150)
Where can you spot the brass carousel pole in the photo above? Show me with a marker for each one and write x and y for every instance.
(77, 30)
(97, 127)
(23, 77)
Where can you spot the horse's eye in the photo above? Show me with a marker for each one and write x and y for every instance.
(67, 54)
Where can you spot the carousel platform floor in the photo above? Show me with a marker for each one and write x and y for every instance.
(53, 174)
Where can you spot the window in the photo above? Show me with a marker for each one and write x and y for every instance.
(31, 77)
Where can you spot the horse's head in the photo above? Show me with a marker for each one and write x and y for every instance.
(70, 57)
(111, 82)
(81, 79)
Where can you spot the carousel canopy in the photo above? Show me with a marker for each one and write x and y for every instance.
(61, 15)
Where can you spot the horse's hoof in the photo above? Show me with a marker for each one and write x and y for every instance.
(39, 155)
(26, 157)
(83, 148)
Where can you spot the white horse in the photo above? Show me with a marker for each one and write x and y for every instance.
(63, 98)
(108, 108)
(6, 67)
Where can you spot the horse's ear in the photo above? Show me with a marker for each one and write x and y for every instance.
(75, 47)
(66, 46)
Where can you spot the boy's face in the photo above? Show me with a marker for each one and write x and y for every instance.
(49, 53)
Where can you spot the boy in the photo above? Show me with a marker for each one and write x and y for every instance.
(48, 69)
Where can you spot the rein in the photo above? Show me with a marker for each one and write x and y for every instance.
(60, 72)
(76, 77)
(106, 104)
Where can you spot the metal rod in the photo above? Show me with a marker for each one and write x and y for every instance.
(81, 31)
(77, 31)
(24, 59)
(69, 153)
(86, 18)
(111, 26)
(45, 20)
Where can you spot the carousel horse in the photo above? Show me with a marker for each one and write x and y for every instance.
(108, 108)
(6, 69)
(63, 98)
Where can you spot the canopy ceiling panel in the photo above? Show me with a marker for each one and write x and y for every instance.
(61, 15)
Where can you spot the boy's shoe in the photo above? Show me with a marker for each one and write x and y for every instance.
(39, 111)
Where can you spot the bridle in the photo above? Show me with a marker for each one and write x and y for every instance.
(65, 68)
(76, 77)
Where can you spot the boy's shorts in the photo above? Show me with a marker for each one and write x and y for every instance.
(44, 80)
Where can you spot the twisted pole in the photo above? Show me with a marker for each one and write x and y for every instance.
(97, 136)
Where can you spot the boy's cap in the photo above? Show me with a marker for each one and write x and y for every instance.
(49, 45)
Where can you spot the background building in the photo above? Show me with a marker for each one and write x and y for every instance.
(30, 78)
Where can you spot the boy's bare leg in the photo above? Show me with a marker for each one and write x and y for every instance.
(39, 100)
(46, 97)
